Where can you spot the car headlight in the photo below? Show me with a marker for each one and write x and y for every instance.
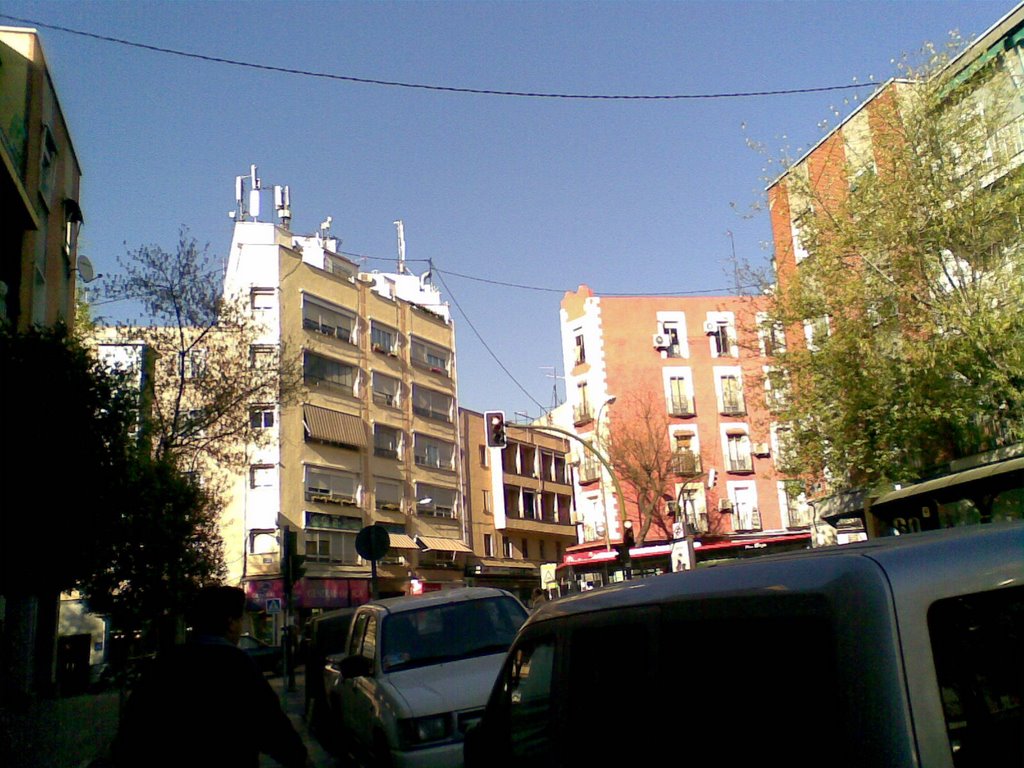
(423, 730)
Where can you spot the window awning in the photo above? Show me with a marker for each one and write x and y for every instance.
(401, 541)
(439, 544)
(333, 426)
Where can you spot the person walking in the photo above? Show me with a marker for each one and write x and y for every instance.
(205, 703)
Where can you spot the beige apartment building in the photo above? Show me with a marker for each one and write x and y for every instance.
(519, 506)
(370, 435)
(39, 187)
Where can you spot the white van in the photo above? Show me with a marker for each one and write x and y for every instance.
(885, 654)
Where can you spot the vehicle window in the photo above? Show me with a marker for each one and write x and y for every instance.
(369, 647)
(356, 641)
(529, 703)
(976, 642)
(451, 631)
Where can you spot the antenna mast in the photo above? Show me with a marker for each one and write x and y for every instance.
(400, 228)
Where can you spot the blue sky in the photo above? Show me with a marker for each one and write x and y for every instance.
(626, 196)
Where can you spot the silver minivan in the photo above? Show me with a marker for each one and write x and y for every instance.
(887, 653)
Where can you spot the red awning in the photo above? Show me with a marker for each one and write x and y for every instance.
(740, 543)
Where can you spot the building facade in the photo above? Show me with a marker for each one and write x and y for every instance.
(39, 189)
(693, 371)
(369, 433)
(39, 225)
(519, 506)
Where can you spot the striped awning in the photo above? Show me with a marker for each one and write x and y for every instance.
(401, 541)
(439, 544)
(333, 426)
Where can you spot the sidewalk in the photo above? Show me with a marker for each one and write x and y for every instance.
(294, 705)
(71, 732)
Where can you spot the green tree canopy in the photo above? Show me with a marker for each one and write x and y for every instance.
(84, 507)
(905, 319)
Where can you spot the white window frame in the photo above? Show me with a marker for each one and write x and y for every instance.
(722, 373)
(685, 374)
(727, 319)
(729, 431)
(668, 321)
(324, 317)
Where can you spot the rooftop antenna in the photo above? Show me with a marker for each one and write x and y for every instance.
(554, 387)
(400, 228)
(325, 227)
(254, 193)
(283, 204)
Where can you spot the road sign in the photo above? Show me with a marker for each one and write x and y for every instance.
(274, 605)
(373, 542)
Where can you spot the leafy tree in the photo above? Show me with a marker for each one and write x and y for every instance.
(210, 366)
(911, 292)
(646, 463)
(85, 506)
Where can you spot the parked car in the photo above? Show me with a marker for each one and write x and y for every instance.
(890, 653)
(269, 658)
(324, 636)
(418, 670)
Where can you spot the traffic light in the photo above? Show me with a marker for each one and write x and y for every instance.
(627, 542)
(293, 565)
(494, 422)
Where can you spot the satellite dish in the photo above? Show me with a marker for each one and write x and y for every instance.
(85, 269)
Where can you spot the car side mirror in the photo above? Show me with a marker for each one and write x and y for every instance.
(355, 666)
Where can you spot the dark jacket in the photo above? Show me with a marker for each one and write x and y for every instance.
(205, 704)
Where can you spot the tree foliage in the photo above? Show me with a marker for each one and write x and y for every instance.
(211, 368)
(915, 265)
(84, 508)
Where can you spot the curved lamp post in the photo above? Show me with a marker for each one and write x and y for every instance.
(604, 497)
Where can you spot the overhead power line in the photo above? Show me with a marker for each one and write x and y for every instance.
(504, 284)
(435, 87)
(486, 346)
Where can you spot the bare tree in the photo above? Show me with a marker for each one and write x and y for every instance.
(647, 463)
(211, 368)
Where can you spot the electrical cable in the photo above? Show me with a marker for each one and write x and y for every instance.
(431, 87)
(599, 293)
(486, 346)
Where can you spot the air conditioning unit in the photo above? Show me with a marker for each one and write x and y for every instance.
(725, 505)
(661, 341)
(710, 326)
(760, 449)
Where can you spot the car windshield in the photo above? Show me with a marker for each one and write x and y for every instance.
(447, 632)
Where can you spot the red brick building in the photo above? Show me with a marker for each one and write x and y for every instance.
(692, 371)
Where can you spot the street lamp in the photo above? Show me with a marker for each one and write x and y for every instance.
(604, 498)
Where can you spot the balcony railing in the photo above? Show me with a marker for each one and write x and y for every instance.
(740, 464)
(732, 405)
(698, 522)
(581, 414)
(686, 463)
(681, 406)
(590, 471)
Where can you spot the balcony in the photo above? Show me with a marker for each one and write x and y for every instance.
(698, 523)
(686, 463)
(581, 414)
(740, 464)
(589, 471)
(323, 496)
(681, 406)
(733, 405)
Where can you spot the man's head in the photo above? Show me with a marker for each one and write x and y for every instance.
(218, 611)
